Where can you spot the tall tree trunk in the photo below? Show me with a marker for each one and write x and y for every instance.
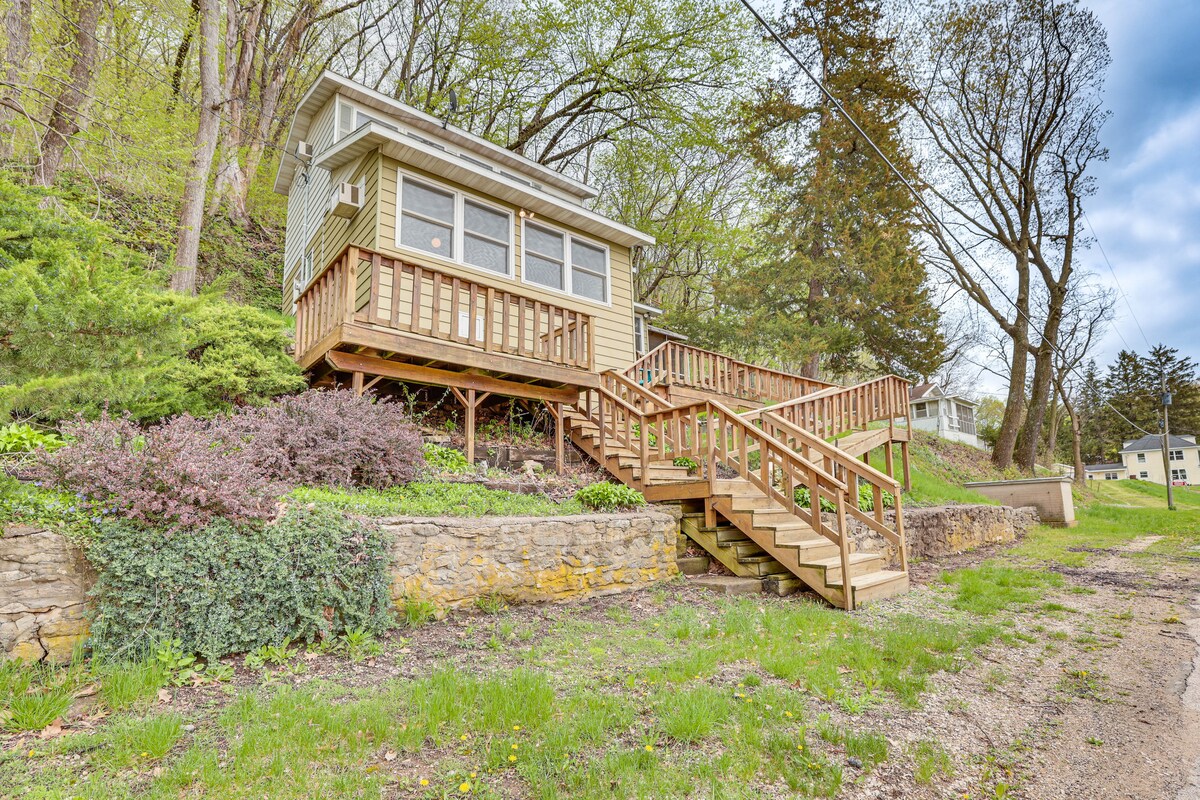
(66, 118)
(1076, 439)
(17, 21)
(1035, 418)
(812, 365)
(191, 214)
(1014, 405)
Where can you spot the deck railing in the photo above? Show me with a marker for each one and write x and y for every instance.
(681, 364)
(389, 293)
(838, 409)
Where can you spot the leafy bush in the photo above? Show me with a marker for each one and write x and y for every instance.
(610, 497)
(684, 461)
(227, 589)
(176, 474)
(804, 500)
(866, 498)
(446, 460)
(329, 438)
(436, 500)
(20, 438)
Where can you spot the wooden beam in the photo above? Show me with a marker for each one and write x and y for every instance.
(556, 411)
(356, 383)
(417, 346)
(905, 464)
(352, 362)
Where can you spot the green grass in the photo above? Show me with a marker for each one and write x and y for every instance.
(993, 587)
(437, 500)
(687, 701)
(931, 486)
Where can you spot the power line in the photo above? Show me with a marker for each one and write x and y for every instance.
(1117, 281)
(916, 195)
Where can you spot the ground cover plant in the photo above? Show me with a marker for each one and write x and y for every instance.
(426, 499)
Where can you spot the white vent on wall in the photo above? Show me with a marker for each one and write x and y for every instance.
(464, 326)
(304, 151)
(346, 200)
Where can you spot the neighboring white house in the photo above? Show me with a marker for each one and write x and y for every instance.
(1105, 472)
(1142, 459)
(948, 415)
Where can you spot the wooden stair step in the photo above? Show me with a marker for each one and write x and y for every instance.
(874, 585)
(743, 548)
(835, 562)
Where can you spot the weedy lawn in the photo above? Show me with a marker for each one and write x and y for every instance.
(658, 694)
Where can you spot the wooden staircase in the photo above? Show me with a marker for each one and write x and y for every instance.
(751, 475)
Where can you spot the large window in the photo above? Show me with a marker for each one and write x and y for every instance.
(447, 223)
(1141, 458)
(639, 334)
(1176, 455)
(566, 263)
(1179, 475)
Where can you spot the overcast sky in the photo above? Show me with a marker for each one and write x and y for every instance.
(1146, 212)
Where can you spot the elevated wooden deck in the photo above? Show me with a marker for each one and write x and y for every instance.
(777, 454)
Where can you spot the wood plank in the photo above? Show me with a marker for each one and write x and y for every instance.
(419, 346)
(371, 365)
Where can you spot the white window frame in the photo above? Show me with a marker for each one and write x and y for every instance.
(1141, 458)
(1111, 476)
(921, 411)
(567, 290)
(457, 225)
(1179, 474)
(1143, 475)
(1175, 455)
(641, 341)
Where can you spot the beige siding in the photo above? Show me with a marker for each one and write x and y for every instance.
(614, 322)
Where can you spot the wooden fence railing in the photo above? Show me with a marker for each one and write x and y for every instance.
(681, 364)
(836, 410)
(775, 456)
(430, 302)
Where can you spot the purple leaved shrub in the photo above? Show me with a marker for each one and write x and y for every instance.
(331, 438)
(185, 472)
(176, 474)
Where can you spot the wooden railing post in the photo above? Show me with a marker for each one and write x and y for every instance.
(844, 548)
(903, 545)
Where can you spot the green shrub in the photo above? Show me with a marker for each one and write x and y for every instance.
(87, 326)
(225, 589)
(610, 497)
(18, 437)
(446, 460)
(683, 461)
(804, 500)
(866, 498)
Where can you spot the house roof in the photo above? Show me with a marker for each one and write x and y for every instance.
(1154, 442)
(1103, 467)
(931, 391)
(329, 83)
(669, 334)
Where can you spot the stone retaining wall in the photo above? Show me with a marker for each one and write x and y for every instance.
(945, 530)
(44, 581)
(454, 561)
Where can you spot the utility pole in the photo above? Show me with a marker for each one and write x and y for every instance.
(1166, 448)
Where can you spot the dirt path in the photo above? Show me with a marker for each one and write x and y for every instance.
(1102, 702)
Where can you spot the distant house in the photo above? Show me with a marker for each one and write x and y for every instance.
(1105, 472)
(646, 335)
(1142, 459)
(950, 416)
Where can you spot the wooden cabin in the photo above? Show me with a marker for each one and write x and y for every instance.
(419, 253)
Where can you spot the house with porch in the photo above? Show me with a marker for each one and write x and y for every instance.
(418, 254)
(950, 416)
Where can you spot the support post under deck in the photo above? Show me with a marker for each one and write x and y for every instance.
(904, 462)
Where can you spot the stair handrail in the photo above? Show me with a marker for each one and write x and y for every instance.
(772, 450)
(892, 391)
(636, 388)
(659, 360)
(855, 469)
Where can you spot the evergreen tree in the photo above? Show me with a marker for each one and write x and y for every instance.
(836, 276)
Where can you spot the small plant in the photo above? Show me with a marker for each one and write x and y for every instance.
(418, 612)
(931, 760)
(17, 437)
(866, 498)
(181, 667)
(683, 461)
(275, 654)
(123, 686)
(446, 460)
(610, 497)
(492, 603)
(359, 644)
(804, 500)
(34, 710)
